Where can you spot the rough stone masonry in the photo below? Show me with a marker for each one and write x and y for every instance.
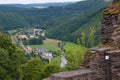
(94, 64)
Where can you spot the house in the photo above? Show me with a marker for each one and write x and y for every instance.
(29, 49)
(47, 55)
(43, 34)
(40, 50)
(23, 36)
(34, 33)
(32, 36)
(38, 31)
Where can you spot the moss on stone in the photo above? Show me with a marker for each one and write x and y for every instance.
(113, 9)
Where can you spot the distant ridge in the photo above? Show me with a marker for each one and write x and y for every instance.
(39, 4)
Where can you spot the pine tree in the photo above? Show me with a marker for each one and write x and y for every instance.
(91, 37)
(78, 41)
(83, 38)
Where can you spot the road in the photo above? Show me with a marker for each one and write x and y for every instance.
(23, 47)
(20, 43)
(63, 61)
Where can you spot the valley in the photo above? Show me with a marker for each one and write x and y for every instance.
(48, 48)
(37, 40)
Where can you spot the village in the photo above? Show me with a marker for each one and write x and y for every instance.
(23, 37)
(26, 35)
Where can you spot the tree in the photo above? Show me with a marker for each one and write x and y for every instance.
(83, 39)
(91, 37)
(11, 58)
(73, 59)
(36, 41)
(78, 42)
(50, 69)
(33, 69)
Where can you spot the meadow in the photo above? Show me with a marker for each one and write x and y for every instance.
(12, 31)
(49, 45)
(52, 45)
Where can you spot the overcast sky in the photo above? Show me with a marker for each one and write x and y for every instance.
(33, 1)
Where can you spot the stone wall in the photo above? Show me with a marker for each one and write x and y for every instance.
(110, 32)
(81, 74)
(110, 27)
(95, 61)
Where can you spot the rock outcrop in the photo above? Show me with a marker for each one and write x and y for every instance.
(102, 62)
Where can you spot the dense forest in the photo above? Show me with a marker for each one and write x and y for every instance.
(61, 22)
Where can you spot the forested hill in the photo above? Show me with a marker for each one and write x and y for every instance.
(88, 15)
(61, 22)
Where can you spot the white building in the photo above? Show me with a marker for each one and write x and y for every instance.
(47, 55)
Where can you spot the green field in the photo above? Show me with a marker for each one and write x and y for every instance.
(12, 31)
(48, 47)
(49, 44)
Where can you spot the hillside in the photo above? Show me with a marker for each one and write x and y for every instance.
(70, 19)
(70, 27)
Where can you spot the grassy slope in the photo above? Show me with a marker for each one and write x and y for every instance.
(69, 46)
(75, 49)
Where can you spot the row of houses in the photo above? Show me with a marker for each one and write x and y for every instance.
(32, 33)
(41, 51)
